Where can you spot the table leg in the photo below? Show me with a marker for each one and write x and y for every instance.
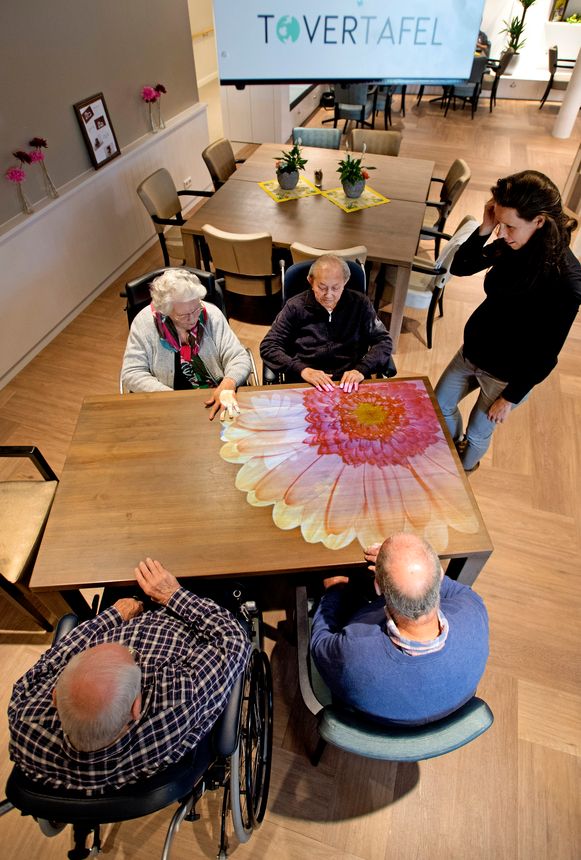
(191, 250)
(78, 604)
(465, 569)
(398, 303)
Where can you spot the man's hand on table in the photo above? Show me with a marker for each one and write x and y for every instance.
(318, 378)
(350, 381)
(157, 582)
(128, 607)
(371, 554)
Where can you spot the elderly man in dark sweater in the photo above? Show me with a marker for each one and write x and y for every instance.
(415, 653)
(327, 333)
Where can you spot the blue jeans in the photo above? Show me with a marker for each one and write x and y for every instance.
(457, 381)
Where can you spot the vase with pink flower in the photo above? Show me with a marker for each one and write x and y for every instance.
(37, 157)
(150, 96)
(160, 90)
(17, 175)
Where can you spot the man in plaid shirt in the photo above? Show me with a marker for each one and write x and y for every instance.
(129, 692)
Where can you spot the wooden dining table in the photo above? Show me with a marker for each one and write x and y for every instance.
(389, 231)
(150, 475)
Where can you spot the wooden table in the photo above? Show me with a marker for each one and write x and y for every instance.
(390, 232)
(144, 476)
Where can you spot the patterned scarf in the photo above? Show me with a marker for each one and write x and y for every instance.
(413, 648)
(193, 368)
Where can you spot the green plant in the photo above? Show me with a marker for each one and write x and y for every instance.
(351, 169)
(290, 161)
(515, 27)
(575, 18)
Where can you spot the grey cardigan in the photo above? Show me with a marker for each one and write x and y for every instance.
(149, 366)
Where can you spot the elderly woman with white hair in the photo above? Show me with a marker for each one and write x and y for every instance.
(180, 342)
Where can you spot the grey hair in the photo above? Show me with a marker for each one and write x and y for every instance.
(121, 680)
(326, 260)
(175, 285)
(411, 606)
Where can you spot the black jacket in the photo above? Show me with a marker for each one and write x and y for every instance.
(305, 334)
(517, 332)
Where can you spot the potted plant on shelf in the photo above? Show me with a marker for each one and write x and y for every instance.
(515, 28)
(353, 175)
(288, 165)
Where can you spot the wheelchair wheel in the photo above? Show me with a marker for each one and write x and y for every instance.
(251, 762)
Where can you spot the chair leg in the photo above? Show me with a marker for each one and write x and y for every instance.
(164, 251)
(547, 91)
(18, 597)
(436, 296)
(420, 95)
(315, 757)
(402, 104)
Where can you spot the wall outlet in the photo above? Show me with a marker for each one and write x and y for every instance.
(188, 182)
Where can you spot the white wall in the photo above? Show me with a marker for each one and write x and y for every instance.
(57, 260)
(202, 18)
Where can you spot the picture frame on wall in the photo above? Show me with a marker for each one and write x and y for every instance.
(97, 130)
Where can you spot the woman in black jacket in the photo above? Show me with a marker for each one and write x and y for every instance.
(533, 292)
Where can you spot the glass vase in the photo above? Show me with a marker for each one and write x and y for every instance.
(23, 200)
(152, 124)
(160, 122)
(48, 183)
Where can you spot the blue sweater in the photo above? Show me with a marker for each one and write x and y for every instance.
(364, 670)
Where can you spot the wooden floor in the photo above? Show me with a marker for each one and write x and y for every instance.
(512, 794)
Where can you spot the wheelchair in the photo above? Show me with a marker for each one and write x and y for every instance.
(235, 755)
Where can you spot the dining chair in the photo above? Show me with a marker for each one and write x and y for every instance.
(243, 263)
(498, 67)
(555, 64)
(24, 509)
(469, 91)
(355, 103)
(161, 198)
(376, 142)
(353, 732)
(220, 161)
(300, 253)
(428, 280)
(326, 138)
(453, 186)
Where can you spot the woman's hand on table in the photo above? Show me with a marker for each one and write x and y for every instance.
(488, 219)
(223, 398)
(500, 410)
(318, 378)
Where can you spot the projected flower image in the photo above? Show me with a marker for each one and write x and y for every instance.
(349, 466)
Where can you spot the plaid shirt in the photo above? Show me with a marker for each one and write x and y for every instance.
(190, 653)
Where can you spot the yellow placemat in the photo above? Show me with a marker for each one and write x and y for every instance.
(368, 198)
(304, 188)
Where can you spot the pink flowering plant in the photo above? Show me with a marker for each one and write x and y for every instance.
(152, 94)
(15, 174)
(37, 154)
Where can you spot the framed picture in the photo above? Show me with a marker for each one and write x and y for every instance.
(95, 123)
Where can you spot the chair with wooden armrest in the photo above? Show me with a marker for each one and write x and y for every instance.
(24, 509)
(220, 161)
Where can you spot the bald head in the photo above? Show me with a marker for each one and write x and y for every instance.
(97, 694)
(408, 573)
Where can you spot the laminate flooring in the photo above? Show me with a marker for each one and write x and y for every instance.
(514, 793)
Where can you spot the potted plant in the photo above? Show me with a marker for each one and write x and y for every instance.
(515, 27)
(288, 166)
(353, 175)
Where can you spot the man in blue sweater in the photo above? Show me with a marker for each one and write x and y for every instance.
(413, 654)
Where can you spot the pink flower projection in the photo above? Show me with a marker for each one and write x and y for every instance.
(349, 466)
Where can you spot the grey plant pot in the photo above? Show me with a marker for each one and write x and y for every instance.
(288, 181)
(353, 189)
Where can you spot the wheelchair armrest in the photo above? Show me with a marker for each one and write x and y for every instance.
(227, 729)
(64, 626)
